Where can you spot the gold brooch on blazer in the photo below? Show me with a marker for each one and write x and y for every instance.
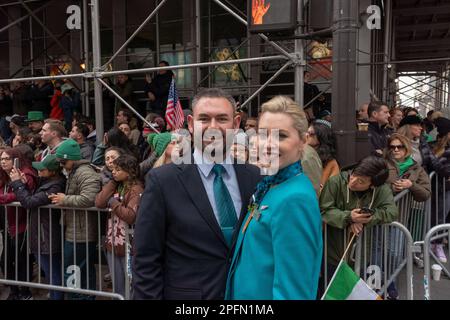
(256, 213)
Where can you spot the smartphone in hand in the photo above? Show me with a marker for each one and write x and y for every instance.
(366, 210)
(16, 163)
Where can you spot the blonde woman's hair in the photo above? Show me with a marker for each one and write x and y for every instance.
(404, 140)
(441, 145)
(405, 130)
(160, 162)
(284, 104)
(435, 115)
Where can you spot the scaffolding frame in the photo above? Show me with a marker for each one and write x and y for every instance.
(294, 58)
(98, 70)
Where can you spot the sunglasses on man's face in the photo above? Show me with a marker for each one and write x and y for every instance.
(62, 162)
(399, 147)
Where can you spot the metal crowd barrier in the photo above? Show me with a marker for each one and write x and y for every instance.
(76, 271)
(437, 232)
(383, 251)
(378, 255)
(434, 210)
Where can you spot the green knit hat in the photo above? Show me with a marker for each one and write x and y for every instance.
(49, 162)
(69, 150)
(159, 141)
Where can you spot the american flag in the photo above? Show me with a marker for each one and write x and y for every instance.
(174, 112)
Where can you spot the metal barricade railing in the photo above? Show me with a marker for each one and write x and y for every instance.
(443, 230)
(379, 255)
(435, 213)
(68, 239)
(383, 251)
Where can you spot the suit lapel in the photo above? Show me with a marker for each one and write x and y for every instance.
(193, 184)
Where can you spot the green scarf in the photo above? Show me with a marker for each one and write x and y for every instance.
(405, 165)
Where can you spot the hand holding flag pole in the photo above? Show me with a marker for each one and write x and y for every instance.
(346, 284)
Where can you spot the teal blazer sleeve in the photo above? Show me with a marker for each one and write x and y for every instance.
(297, 237)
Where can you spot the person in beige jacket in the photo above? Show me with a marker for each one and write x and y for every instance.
(83, 183)
(312, 166)
(404, 172)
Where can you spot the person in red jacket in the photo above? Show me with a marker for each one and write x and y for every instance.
(56, 111)
(15, 237)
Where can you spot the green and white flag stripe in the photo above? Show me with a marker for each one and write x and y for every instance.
(346, 285)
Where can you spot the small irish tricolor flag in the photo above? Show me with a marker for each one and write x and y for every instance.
(346, 285)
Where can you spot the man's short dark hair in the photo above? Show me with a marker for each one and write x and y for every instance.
(88, 122)
(164, 62)
(83, 129)
(213, 93)
(375, 106)
(373, 167)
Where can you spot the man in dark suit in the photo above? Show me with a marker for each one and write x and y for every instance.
(190, 213)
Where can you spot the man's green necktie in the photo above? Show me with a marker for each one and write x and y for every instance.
(224, 204)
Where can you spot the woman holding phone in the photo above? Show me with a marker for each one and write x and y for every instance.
(404, 172)
(16, 239)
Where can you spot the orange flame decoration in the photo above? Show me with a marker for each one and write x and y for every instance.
(259, 9)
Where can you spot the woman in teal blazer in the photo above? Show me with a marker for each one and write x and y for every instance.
(279, 247)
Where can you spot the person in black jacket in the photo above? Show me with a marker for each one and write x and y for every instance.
(6, 109)
(43, 222)
(310, 92)
(378, 132)
(41, 93)
(158, 90)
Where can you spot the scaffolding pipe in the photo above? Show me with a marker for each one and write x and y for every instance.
(198, 43)
(126, 103)
(24, 17)
(275, 75)
(299, 63)
(413, 98)
(387, 50)
(157, 35)
(144, 70)
(62, 76)
(317, 96)
(38, 55)
(229, 56)
(409, 85)
(135, 33)
(96, 56)
(434, 87)
(16, 3)
(49, 32)
(192, 65)
(406, 61)
(328, 32)
(264, 37)
(31, 46)
(410, 98)
(86, 56)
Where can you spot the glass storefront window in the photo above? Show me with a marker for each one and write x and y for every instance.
(229, 74)
(179, 56)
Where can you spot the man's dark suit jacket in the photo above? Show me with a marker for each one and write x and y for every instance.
(179, 248)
